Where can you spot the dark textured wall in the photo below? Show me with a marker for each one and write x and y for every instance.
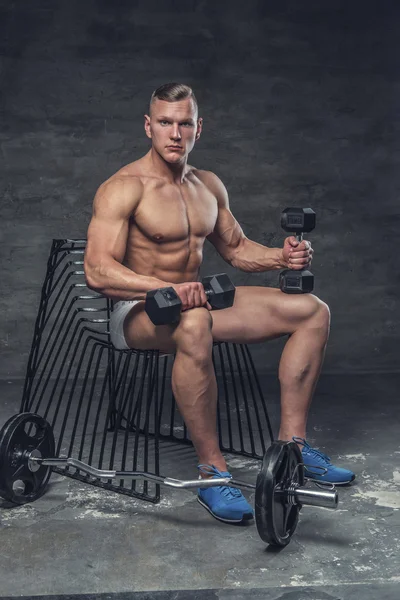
(300, 102)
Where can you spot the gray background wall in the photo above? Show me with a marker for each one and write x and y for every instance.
(300, 102)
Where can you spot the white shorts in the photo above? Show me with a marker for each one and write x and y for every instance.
(117, 319)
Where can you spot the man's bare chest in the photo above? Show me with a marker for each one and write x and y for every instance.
(176, 213)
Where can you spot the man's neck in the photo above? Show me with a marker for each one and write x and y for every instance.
(174, 173)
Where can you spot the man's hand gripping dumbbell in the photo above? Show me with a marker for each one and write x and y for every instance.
(164, 305)
(297, 279)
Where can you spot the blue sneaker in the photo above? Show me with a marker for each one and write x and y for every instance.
(224, 503)
(318, 466)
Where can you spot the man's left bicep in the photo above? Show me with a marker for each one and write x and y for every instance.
(227, 235)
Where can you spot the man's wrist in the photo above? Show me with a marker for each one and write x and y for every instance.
(280, 261)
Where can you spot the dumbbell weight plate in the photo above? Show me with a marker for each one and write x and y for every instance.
(221, 290)
(163, 306)
(297, 219)
(296, 282)
(22, 434)
(276, 518)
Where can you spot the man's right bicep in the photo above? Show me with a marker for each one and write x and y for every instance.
(106, 239)
(109, 227)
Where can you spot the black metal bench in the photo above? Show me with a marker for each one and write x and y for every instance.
(112, 408)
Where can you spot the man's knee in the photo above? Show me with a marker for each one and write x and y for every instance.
(194, 329)
(316, 309)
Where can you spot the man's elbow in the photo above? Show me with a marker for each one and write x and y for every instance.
(92, 278)
(233, 257)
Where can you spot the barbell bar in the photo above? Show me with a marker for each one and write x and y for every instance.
(296, 495)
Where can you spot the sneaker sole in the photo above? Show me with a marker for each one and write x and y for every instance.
(245, 517)
(335, 483)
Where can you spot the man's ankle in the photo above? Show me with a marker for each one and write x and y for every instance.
(289, 438)
(204, 474)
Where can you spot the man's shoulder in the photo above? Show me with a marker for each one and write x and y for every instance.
(135, 177)
(121, 193)
(206, 177)
(210, 180)
(125, 181)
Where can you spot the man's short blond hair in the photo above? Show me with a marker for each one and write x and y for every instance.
(173, 92)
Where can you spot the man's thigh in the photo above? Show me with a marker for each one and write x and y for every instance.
(262, 313)
(142, 334)
(258, 314)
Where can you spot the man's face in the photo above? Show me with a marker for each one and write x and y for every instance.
(173, 128)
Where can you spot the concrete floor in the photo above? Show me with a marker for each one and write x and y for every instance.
(84, 541)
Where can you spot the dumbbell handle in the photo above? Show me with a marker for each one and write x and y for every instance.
(296, 494)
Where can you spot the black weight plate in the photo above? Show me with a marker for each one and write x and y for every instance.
(19, 436)
(163, 306)
(276, 518)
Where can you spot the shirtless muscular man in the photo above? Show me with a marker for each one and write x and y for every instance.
(148, 228)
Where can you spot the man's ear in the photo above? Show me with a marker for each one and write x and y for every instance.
(199, 128)
(147, 125)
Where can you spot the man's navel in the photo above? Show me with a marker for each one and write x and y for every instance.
(158, 237)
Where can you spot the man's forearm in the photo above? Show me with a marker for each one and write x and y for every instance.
(255, 258)
(117, 281)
